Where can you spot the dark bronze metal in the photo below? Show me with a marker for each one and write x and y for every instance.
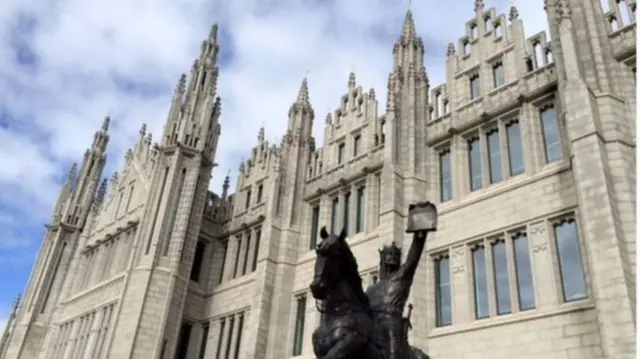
(356, 325)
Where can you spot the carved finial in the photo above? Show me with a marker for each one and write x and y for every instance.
(73, 171)
(182, 84)
(372, 94)
(213, 34)
(479, 6)
(352, 80)
(102, 190)
(513, 11)
(451, 49)
(143, 130)
(128, 155)
(148, 139)
(328, 119)
(114, 177)
(261, 134)
(105, 124)
(391, 87)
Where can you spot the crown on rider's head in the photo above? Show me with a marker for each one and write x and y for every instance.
(392, 248)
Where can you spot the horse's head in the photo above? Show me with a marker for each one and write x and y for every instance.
(332, 263)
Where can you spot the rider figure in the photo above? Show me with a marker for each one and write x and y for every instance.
(389, 295)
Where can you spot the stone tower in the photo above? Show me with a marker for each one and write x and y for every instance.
(61, 241)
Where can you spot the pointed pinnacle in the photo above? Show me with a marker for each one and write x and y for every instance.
(303, 94)
(513, 11)
(105, 124)
(102, 190)
(143, 130)
(479, 6)
(72, 172)
(213, 34)
(352, 80)
(182, 84)
(409, 27)
(451, 49)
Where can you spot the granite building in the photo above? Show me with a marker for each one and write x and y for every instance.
(528, 150)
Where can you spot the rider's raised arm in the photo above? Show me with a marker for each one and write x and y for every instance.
(408, 268)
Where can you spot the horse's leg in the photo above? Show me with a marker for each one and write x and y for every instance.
(349, 344)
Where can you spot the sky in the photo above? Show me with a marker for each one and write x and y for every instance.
(67, 64)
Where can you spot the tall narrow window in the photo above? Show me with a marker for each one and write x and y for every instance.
(239, 338)
(443, 292)
(120, 196)
(574, 285)
(230, 337)
(360, 210)
(247, 248)
(299, 326)
(225, 249)
(334, 215)
(340, 153)
(237, 261)
(524, 276)
(174, 211)
(345, 212)
(475, 165)
(383, 131)
(501, 277)
(480, 282)
(196, 266)
(514, 144)
(315, 223)
(445, 176)
(551, 133)
(474, 86)
(259, 197)
(248, 200)
(356, 145)
(203, 342)
(256, 252)
(183, 341)
(495, 158)
(220, 337)
(498, 74)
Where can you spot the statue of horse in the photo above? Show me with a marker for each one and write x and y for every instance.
(346, 327)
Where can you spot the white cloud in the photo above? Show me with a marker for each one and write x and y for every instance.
(87, 49)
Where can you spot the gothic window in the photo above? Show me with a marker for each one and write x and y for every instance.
(248, 200)
(203, 341)
(260, 188)
(225, 250)
(237, 259)
(239, 338)
(551, 133)
(475, 164)
(247, 248)
(183, 341)
(299, 326)
(356, 145)
(572, 275)
(341, 153)
(345, 212)
(360, 209)
(232, 321)
(495, 156)
(501, 277)
(514, 145)
(220, 337)
(474, 86)
(480, 284)
(174, 211)
(334, 215)
(445, 176)
(443, 291)
(498, 74)
(315, 223)
(256, 251)
(126, 208)
(196, 267)
(524, 276)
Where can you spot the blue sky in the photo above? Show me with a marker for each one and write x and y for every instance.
(66, 64)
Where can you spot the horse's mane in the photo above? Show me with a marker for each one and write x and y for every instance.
(352, 268)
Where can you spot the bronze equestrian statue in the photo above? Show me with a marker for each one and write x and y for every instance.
(356, 325)
(346, 327)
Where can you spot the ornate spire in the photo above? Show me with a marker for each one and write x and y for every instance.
(513, 11)
(451, 49)
(352, 80)
(105, 124)
(479, 5)
(261, 134)
(409, 27)
(73, 171)
(102, 190)
(182, 84)
(213, 34)
(143, 130)
(303, 94)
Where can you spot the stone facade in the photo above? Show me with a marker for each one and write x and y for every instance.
(528, 150)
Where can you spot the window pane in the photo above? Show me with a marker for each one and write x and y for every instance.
(256, 251)
(495, 162)
(551, 133)
(480, 283)
(340, 153)
(514, 142)
(474, 84)
(501, 275)
(360, 211)
(445, 176)
(475, 165)
(299, 326)
(315, 222)
(443, 292)
(356, 145)
(570, 261)
(220, 336)
(334, 215)
(345, 213)
(498, 75)
(524, 277)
